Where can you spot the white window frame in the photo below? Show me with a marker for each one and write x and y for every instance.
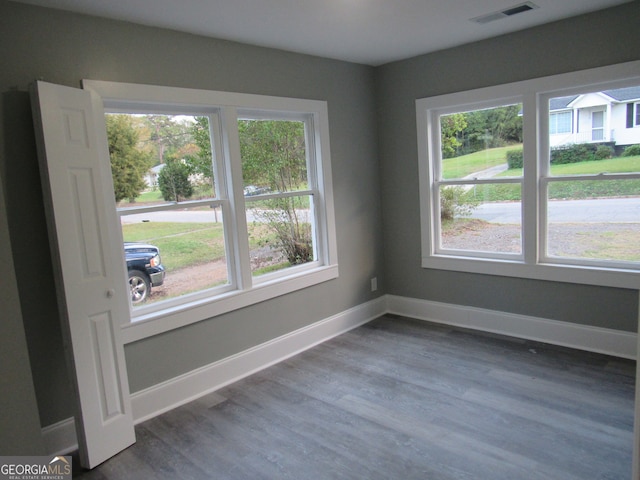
(534, 95)
(224, 108)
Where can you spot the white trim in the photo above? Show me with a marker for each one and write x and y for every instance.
(224, 109)
(180, 390)
(534, 94)
(60, 438)
(188, 313)
(583, 337)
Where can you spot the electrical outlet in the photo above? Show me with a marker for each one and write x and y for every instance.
(374, 284)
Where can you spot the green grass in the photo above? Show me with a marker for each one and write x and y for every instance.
(181, 244)
(572, 189)
(459, 167)
(611, 165)
(186, 244)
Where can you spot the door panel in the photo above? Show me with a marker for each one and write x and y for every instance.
(90, 273)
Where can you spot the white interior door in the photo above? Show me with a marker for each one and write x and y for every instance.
(91, 278)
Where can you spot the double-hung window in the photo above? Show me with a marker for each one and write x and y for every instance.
(224, 199)
(501, 194)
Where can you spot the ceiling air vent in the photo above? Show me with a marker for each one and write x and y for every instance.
(508, 12)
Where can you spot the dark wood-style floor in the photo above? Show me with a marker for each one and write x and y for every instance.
(402, 399)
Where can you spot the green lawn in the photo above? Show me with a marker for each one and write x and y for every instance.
(575, 190)
(186, 244)
(181, 244)
(464, 165)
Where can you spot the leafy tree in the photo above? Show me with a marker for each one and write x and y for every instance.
(200, 158)
(128, 163)
(274, 156)
(490, 128)
(174, 182)
(450, 127)
(167, 134)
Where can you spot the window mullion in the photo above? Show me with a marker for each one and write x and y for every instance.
(231, 142)
(531, 198)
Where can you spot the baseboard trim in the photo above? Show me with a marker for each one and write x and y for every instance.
(180, 390)
(582, 337)
(60, 438)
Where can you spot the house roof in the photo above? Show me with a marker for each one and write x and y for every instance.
(560, 103)
(627, 94)
(624, 94)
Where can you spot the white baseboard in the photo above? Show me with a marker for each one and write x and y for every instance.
(60, 438)
(180, 390)
(582, 337)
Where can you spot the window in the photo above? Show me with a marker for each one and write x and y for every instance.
(560, 123)
(637, 116)
(499, 196)
(224, 199)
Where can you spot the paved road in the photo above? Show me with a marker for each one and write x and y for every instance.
(568, 211)
(188, 216)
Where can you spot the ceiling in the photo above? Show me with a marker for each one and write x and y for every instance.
(370, 32)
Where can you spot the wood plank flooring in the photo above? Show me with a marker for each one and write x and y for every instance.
(402, 399)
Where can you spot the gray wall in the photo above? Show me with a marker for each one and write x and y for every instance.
(593, 40)
(64, 48)
(371, 116)
(20, 425)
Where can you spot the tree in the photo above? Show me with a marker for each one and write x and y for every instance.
(174, 182)
(167, 134)
(128, 163)
(274, 156)
(450, 127)
(200, 160)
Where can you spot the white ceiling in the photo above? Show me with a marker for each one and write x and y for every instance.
(371, 32)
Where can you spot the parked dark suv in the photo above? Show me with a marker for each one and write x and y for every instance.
(145, 269)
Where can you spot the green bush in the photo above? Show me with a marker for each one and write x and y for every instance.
(173, 181)
(603, 151)
(456, 201)
(579, 152)
(631, 151)
(515, 158)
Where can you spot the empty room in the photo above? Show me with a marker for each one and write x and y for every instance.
(361, 239)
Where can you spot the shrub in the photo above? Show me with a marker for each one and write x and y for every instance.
(603, 151)
(515, 158)
(456, 201)
(631, 151)
(579, 152)
(173, 181)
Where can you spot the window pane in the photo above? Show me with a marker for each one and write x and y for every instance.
(158, 158)
(191, 246)
(594, 219)
(484, 218)
(601, 131)
(479, 144)
(281, 233)
(274, 157)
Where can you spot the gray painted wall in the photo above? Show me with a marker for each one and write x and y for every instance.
(588, 41)
(371, 116)
(20, 427)
(64, 48)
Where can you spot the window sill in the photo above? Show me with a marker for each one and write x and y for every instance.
(144, 326)
(606, 277)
